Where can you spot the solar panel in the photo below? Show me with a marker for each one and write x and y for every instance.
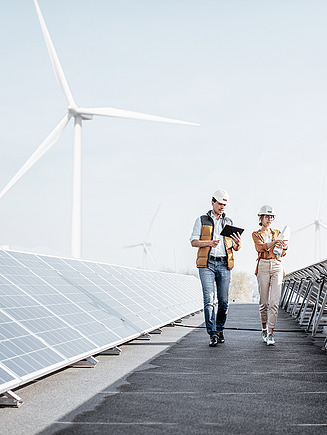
(118, 296)
(71, 300)
(22, 353)
(8, 380)
(56, 311)
(139, 298)
(48, 312)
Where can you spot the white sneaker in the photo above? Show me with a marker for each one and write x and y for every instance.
(264, 333)
(270, 339)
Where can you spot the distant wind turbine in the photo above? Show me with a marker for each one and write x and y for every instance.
(79, 114)
(146, 244)
(318, 222)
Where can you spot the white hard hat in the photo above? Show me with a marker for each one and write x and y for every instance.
(221, 196)
(266, 209)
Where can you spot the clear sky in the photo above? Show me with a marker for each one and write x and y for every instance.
(252, 73)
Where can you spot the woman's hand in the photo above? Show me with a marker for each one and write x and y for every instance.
(280, 244)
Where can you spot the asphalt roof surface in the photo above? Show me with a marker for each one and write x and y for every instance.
(242, 386)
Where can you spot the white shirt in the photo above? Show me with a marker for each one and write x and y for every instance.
(219, 250)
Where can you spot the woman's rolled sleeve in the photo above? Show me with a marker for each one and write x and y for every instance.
(259, 245)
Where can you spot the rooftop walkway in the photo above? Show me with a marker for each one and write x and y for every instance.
(240, 387)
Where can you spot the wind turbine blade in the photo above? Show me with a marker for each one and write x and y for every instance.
(133, 246)
(38, 153)
(59, 73)
(119, 113)
(323, 225)
(303, 227)
(321, 189)
(153, 219)
(147, 250)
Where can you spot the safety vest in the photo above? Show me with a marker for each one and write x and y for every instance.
(207, 234)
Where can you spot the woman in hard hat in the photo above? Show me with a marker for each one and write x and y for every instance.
(269, 271)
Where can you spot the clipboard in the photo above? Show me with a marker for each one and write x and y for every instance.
(228, 230)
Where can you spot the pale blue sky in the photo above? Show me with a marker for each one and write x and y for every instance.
(252, 73)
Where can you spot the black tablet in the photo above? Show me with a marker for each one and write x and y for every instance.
(228, 230)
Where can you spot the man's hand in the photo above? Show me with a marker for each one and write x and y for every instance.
(236, 237)
(205, 243)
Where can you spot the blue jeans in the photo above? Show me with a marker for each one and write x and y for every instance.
(216, 272)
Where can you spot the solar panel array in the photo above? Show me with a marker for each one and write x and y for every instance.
(56, 311)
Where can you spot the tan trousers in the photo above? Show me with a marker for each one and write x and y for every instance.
(270, 278)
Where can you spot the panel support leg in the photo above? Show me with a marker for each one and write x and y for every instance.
(156, 331)
(113, 351)
(9, 398)
(144, 337)
(89, 362)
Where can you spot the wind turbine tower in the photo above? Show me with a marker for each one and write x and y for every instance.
(146, 244)
(318, 223)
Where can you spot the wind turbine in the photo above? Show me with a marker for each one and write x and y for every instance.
(79, 114)
(146, 245)
(318, 222)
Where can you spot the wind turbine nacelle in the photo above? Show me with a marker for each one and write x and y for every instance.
(75, 111)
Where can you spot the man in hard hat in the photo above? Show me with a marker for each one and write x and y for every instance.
(215, 261)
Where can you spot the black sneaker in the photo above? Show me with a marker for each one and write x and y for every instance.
(220, 337)
(213, 341)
